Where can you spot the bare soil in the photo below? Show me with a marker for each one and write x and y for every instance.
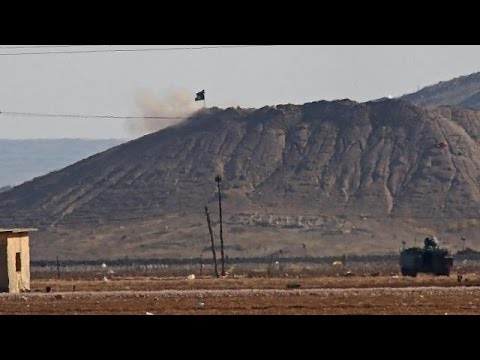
(241, 296)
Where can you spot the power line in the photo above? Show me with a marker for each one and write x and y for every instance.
(134, 50)
(43, 46)
(79, 116)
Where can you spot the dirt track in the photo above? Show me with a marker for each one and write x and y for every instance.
(248, 296)
(307, 301)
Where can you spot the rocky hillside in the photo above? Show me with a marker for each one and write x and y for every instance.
(463, 92)
(326, 178)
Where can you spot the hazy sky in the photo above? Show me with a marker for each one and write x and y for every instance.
(109, 83)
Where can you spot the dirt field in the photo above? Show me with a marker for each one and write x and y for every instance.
(322, 295)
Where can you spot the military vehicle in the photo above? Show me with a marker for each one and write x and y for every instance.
(431, 259)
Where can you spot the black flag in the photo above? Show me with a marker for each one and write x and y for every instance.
(200, 96)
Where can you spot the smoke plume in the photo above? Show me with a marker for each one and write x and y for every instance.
(177, 103)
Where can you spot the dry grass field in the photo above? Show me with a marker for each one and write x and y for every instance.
(249, 295)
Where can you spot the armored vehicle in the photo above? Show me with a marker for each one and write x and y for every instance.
(430, 259)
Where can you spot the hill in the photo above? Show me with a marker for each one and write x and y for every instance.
(322, 178)
(463, 91)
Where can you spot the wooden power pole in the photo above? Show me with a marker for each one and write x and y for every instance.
(218, 179)
(213, 243)
(58, 267)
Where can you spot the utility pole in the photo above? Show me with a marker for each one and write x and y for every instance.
(218, 179)
(58, 267)
(213, 243)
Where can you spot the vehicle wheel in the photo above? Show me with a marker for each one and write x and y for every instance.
(408, 272)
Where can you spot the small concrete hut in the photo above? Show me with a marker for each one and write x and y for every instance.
(15, 260)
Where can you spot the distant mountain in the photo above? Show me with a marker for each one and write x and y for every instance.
(320, 179)
(5, 188)
(23, 160)
(463, 91)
